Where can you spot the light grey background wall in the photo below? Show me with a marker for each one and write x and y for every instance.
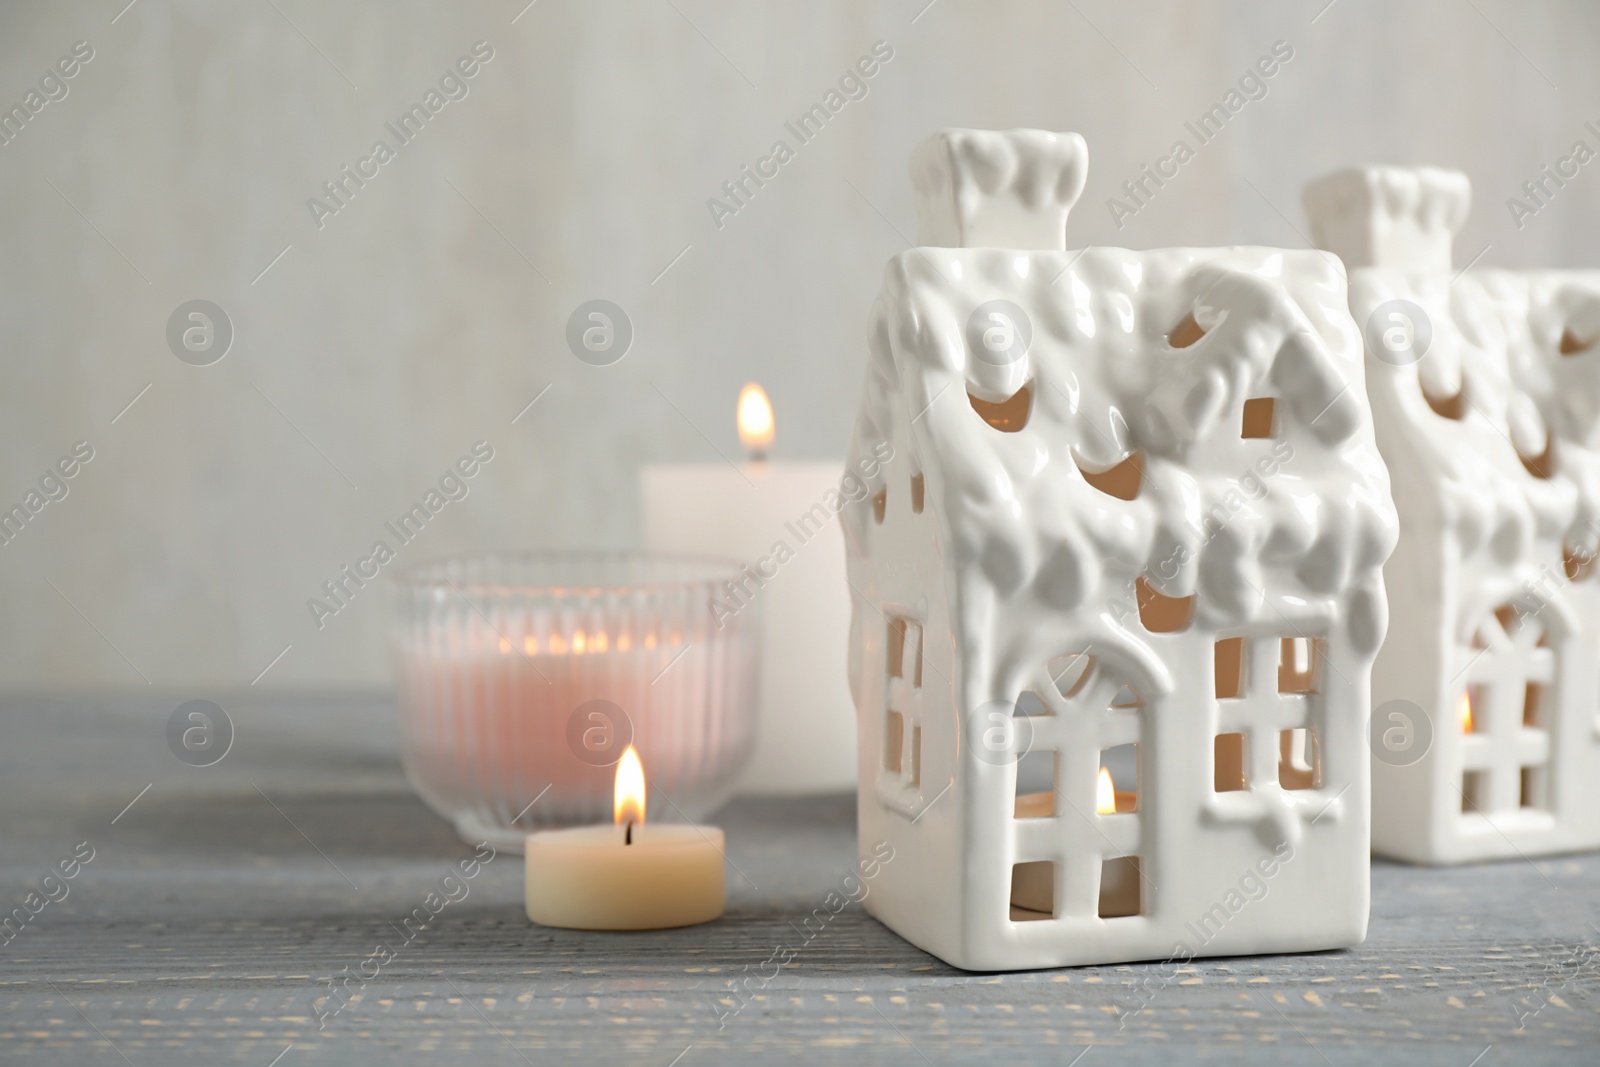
(428, 311)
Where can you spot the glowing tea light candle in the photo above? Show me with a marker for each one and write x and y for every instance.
(626, 876)
(779, 519)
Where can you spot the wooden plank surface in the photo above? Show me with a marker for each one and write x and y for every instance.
(218, 905)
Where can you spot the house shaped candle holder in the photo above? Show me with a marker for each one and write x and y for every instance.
(1117, 594)
(1485, 392)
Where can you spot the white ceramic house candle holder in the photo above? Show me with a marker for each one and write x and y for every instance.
(1485, 390)
(1136, 534)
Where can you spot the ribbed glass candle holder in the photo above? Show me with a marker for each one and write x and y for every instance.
(522, 678)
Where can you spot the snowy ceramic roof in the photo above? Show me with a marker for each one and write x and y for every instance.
(1299, 522)
(1501, 412)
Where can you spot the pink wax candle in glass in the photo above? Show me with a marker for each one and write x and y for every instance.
(523, 677)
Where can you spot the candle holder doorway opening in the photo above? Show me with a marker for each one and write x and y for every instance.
(1114, 619)
(522, 678)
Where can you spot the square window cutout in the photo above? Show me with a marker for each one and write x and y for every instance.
(904, 635)
(1258, 417)
(1036, 785)
(1297, 664)
(894, 742)
(1299, 760)
(1117, 785)
(1533, 787)
(1228, 774)
(1033, 891)
(1474, 792)
(1120, 891)
(1229, 661)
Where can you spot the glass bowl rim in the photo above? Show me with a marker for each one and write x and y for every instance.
(429, 573)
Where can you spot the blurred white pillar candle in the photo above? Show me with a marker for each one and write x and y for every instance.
(781, 521)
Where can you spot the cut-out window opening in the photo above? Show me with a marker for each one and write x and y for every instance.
(1468, 710)
(916, 756)
(1162, 614)
(1297, 664)
(1036, 784)
(880, 505)
(1121, 891)
(1071, 672)
(1474, 791)
(1229, 767)
(894, 740)
(1186, 333)
(1572, 345)
(1449, 407)
(917, 486)
(1533, 788)
(1007, 416)
(1299, 759)
(1532, 705)
(904, 641)
(1121, 480)
(1229, 657)
(1260, 416)
(1578, 562)
(1033, 891)
(1544, 464)
(1117, 784)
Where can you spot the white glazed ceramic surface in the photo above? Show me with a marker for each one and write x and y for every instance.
(1490, 438)
(1015, 559)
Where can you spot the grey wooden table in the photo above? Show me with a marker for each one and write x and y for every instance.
(217, 906)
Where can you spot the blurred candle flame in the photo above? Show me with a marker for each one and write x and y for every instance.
(628, 798)
(756, 427)
(1105, 794)
(1466, 713)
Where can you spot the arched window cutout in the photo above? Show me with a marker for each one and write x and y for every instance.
(1571, 345)
(1185, 333)
(916, 493)
(1449, 407)
(1578, 562)
(1544, 464)
(1259, 418)
(1122, 480)
(880, 505)
(1071, 672)
(1009, 415)
(1162, 614)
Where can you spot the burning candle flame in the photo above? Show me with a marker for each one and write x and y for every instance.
(1105, 794)
(628, 798)
(1466, 713)
(755, 420)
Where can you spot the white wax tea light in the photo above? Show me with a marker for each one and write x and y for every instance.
(627, 876)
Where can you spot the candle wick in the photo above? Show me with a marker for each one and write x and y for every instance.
(627, 833)
(756, 455)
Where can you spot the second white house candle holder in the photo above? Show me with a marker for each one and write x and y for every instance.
(1485, 390)
(1136, 537)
